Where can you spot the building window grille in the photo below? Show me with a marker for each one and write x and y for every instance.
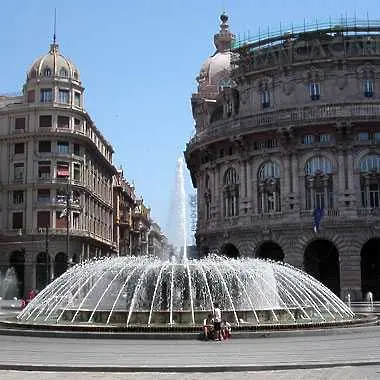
(63, 147)
(20, 123)
(318, 183)
(308, 139)
(231, 193)
(19, 172)
(269, 194)
(44, 170)
(63, 170)
(43, 219)
(46, 121)
(315, 91)
(368, 88)
(63, 122)
(64, 96)
(76, 149)
(43, 196)
(46, 95)
(17, 220)
(19, 148)
(76, 99)
(44, 146)
(265, 98)
(324, 138)
(18, 197)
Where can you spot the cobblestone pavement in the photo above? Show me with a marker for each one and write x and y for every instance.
(344, 373)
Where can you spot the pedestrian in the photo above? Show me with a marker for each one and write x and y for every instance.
(217, 321)
(208, 327)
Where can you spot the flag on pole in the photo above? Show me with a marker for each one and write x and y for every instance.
(318, 215)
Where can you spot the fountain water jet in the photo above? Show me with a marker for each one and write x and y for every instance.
(145, 291)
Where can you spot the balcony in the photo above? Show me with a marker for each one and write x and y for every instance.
(291, 117)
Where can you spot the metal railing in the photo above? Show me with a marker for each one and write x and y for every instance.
(345, 26)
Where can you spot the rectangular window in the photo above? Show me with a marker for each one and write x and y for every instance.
(46, 121)
(17, 220)
(363, 136)
(20, 123)
(77, 99)
(308, 139)
(43, 219)
(60, 220)
(77, 172)
(46, 95)
(63, 122)
(44, 146)
(62, 170)
(19, 148)
(265, 98)
(77, 124)
(315, 91)
(77, 149)
(63, 147)
(63, 96)
(368, 88)
(324, 138)
(18, 197)
(19, 172)
(44, 170)
(43, 196)
(31, 96)
(376, 136)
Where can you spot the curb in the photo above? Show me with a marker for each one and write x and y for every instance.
(182, 336)
(183, 369)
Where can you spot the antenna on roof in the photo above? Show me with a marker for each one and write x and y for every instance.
(55, 25)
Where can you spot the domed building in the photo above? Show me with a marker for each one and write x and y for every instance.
(286, 153)
(56, 177)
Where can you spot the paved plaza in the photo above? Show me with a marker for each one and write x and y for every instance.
(344, 373)
(340, 354)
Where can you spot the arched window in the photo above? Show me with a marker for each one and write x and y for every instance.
(370, 181)
(47, 72)
(269, 186)
(63, 72)
(318, 183)
(207, 197)
(76, 76)
(231, 193)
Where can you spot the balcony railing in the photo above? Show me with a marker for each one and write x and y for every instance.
(292, 117)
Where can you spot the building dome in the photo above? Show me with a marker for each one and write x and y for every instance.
(216, 69)
(53, 64)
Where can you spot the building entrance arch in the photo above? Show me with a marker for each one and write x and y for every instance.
(42, 270)
(321, 260)
(229, 250)
(370, 268)
(60, 264)
(17, 261)
(270, 250)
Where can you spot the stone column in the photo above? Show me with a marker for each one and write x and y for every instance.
(29, 272)
(350, 272)
(341, 174)
(350, 171)
(295, 184)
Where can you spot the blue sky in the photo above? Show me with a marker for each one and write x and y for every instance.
(138, 62)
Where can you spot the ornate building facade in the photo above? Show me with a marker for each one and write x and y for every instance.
(56, 177)
(135, 232)
(286, 154)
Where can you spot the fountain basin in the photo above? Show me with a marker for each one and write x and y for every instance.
(145, 291)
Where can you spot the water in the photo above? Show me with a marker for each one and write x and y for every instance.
(147, 291)
(8, 284)
(178, 221)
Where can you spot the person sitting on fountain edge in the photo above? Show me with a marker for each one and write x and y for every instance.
(208, 327)
(226, 329)
(217, 321)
